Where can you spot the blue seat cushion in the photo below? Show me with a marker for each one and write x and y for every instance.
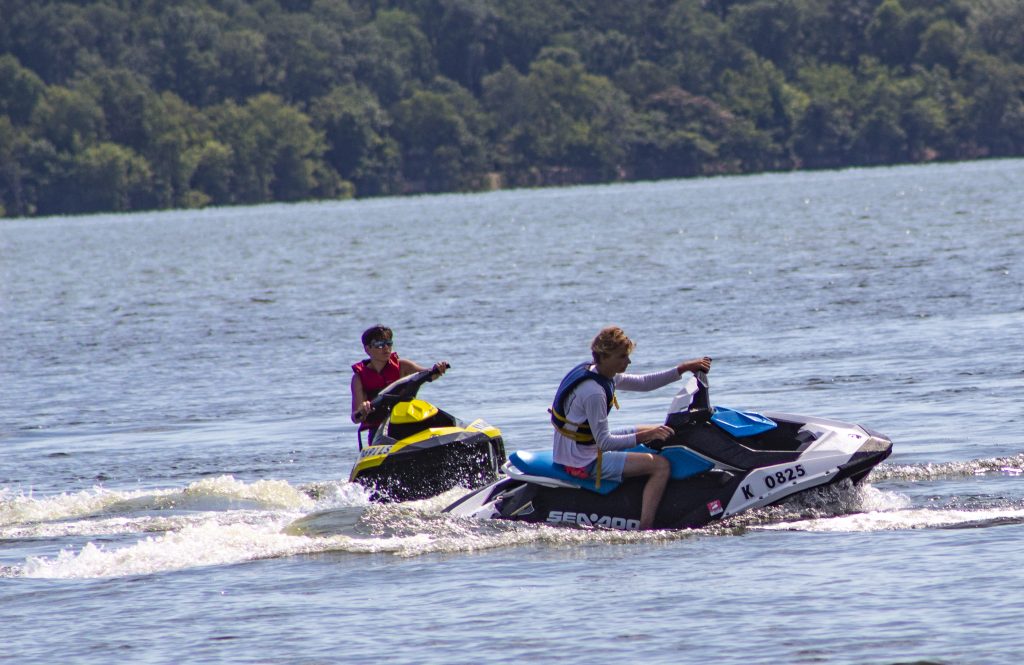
(540, 463)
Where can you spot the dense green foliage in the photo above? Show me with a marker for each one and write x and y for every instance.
(110, 105)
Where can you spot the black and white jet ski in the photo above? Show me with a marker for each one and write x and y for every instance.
(723, 462)
(420, 451)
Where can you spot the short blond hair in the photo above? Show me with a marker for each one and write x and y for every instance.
(610, 340)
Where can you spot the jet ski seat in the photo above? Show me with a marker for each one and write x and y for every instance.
(540, 463)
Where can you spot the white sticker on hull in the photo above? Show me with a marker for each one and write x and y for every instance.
(592, 519)
(770, 484)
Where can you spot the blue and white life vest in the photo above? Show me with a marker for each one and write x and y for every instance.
(578, 432)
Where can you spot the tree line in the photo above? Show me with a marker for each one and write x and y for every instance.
(117, 105)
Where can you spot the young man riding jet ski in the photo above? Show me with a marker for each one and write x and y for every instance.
(583, 443)
(380, 369)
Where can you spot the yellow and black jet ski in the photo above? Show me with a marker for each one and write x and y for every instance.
(420, 451)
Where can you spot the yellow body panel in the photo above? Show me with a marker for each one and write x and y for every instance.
(412, 411)
(481, 425)
(408, 412)
(372, 456)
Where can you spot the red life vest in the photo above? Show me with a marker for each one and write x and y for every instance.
(374, 381)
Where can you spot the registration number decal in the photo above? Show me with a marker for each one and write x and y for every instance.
(783, 476)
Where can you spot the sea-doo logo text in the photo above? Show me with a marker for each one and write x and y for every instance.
(784, 476)
(592, 519)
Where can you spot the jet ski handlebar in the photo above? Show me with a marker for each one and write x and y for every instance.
(699, 409)
(401, 390)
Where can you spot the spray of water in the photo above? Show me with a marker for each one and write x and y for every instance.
(222, 521)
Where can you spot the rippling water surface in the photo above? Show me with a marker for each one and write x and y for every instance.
(176, 447)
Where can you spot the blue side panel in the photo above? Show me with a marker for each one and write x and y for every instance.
(539, 463)
(741, 423)
(685, 464)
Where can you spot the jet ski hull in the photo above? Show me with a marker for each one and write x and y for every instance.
(690, 502)
(779, 456)
(685, 504)
(461, 459)
(419, 451)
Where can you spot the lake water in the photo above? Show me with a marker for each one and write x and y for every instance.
(174, 406)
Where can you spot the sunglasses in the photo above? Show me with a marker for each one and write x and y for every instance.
(381, 344)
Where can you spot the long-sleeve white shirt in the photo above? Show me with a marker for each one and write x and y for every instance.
(587, 402)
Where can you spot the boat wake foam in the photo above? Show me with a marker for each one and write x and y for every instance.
(1013, 466)
(921, 518)
(223, 521)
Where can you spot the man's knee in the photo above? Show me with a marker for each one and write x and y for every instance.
(659, 466)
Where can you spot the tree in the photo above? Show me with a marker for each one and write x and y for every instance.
(108, 177)
(760, 94)
(995, 26)
(392, 56)
(20, 90)
(836, 31)
(213, 176)
(122, 95)
(66, 34)
(602, 52)
(527, 26)
(768, 27)
(69, 119)
(440, 150)
(824, 131)
(943, 44)
(878, 133)
(464, 37)
(684, 135)
(662, 150)
(996, 108)
(243, 68)
(175, 136)
(274, 150)
(697, 46)
(306, 57)
(360, 147)
(935, 119)
(560, 120)
(642, 79)
(12, 197)
(185, 60)
(890, 34)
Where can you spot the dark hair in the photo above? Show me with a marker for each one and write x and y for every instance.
(379, 331)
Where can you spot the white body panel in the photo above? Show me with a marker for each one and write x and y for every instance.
(834, 445)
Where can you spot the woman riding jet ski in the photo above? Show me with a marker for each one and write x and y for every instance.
(723, 462)
(419, 451)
